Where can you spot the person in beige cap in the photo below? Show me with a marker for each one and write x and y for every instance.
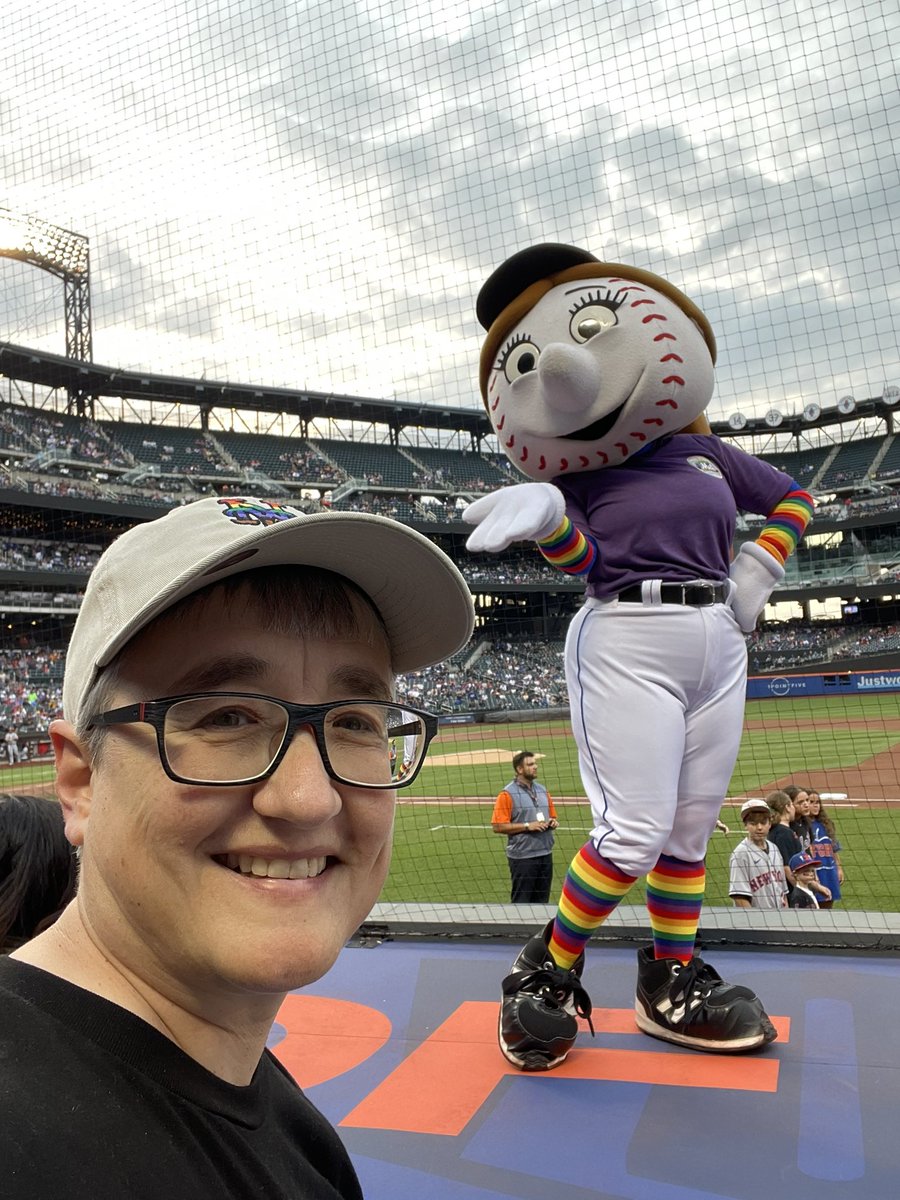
(225, 768)
(756, 872)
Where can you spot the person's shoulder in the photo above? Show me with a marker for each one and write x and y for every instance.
(741, 852)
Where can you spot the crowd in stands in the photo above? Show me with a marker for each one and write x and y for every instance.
(32, 555)
(22, 482)
(305, 464)
(793, 642)
(796, 643)
(794, 635)
(24, 600)
(501, 675)
(515, 675)
(527, 567)
(440, 481)
(443, 511)
(187, 483)
(400, 508)
(208, 462)
(30, 692)
(37, 434)
(517, 567)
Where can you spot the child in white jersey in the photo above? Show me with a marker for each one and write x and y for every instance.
(756, 869)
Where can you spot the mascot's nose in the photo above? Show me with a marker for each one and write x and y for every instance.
(570, 377)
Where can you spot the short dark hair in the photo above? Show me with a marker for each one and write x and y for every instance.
(290, 599)
(520, 757)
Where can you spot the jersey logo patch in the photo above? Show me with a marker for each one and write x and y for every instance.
(704, 465)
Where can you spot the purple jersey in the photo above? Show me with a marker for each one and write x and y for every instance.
(669, 513)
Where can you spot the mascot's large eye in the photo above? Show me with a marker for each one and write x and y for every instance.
(594, 313)
(518, 358)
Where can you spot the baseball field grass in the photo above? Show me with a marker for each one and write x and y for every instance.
(445, 851)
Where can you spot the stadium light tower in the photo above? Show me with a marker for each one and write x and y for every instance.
(64, 254)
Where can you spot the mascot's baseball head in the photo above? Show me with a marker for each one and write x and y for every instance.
(587, 362)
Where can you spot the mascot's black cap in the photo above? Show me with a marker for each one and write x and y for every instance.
(522, 270)
(518, 284)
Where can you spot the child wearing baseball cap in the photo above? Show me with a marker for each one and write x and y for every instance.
(756, 870)
(804, 868)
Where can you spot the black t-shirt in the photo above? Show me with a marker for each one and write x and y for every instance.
(802, 830)
(786, 841)
(95, 1104)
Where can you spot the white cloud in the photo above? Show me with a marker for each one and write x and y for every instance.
(312, 195)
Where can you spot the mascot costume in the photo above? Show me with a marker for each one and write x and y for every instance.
(596, 377)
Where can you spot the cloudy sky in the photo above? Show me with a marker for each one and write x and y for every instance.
(310, 195)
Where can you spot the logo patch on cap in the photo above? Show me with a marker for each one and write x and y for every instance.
(256, 512)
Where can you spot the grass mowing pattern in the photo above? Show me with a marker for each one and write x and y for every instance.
(445, 851)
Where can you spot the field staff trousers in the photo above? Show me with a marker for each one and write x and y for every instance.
(657, 697)
(531, 879)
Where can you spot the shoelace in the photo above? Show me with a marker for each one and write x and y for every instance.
(694, 977)
(554, 986)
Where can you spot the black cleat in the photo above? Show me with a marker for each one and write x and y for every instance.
(540, 1004)
(691, 1005)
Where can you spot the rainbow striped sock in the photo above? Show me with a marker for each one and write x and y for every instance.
(674, 899)
(592, 889)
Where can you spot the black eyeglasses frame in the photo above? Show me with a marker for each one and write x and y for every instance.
(153, 713)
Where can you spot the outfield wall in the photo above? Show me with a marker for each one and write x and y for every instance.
(766, 687)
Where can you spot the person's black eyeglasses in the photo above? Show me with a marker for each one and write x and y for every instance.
(223, 739)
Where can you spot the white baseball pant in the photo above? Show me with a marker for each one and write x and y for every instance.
(657, 698)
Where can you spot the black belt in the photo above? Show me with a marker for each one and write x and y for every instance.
(699, 594)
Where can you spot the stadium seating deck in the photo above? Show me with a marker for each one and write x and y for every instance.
(889, 467)
(281, 458)
(171, 448)
(851, 464)
(802, 465)
(448, 469)
(379, 465)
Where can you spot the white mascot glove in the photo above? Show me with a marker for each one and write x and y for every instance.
(524, 512)
(754, 574)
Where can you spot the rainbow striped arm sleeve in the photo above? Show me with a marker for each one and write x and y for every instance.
(786, 523)
(569, 549)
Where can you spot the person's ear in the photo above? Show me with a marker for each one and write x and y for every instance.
(73, 779)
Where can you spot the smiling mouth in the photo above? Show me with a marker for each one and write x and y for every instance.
(595, 431)
(277, 868)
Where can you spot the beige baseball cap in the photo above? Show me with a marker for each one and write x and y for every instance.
(753, 805)
(422, 597)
